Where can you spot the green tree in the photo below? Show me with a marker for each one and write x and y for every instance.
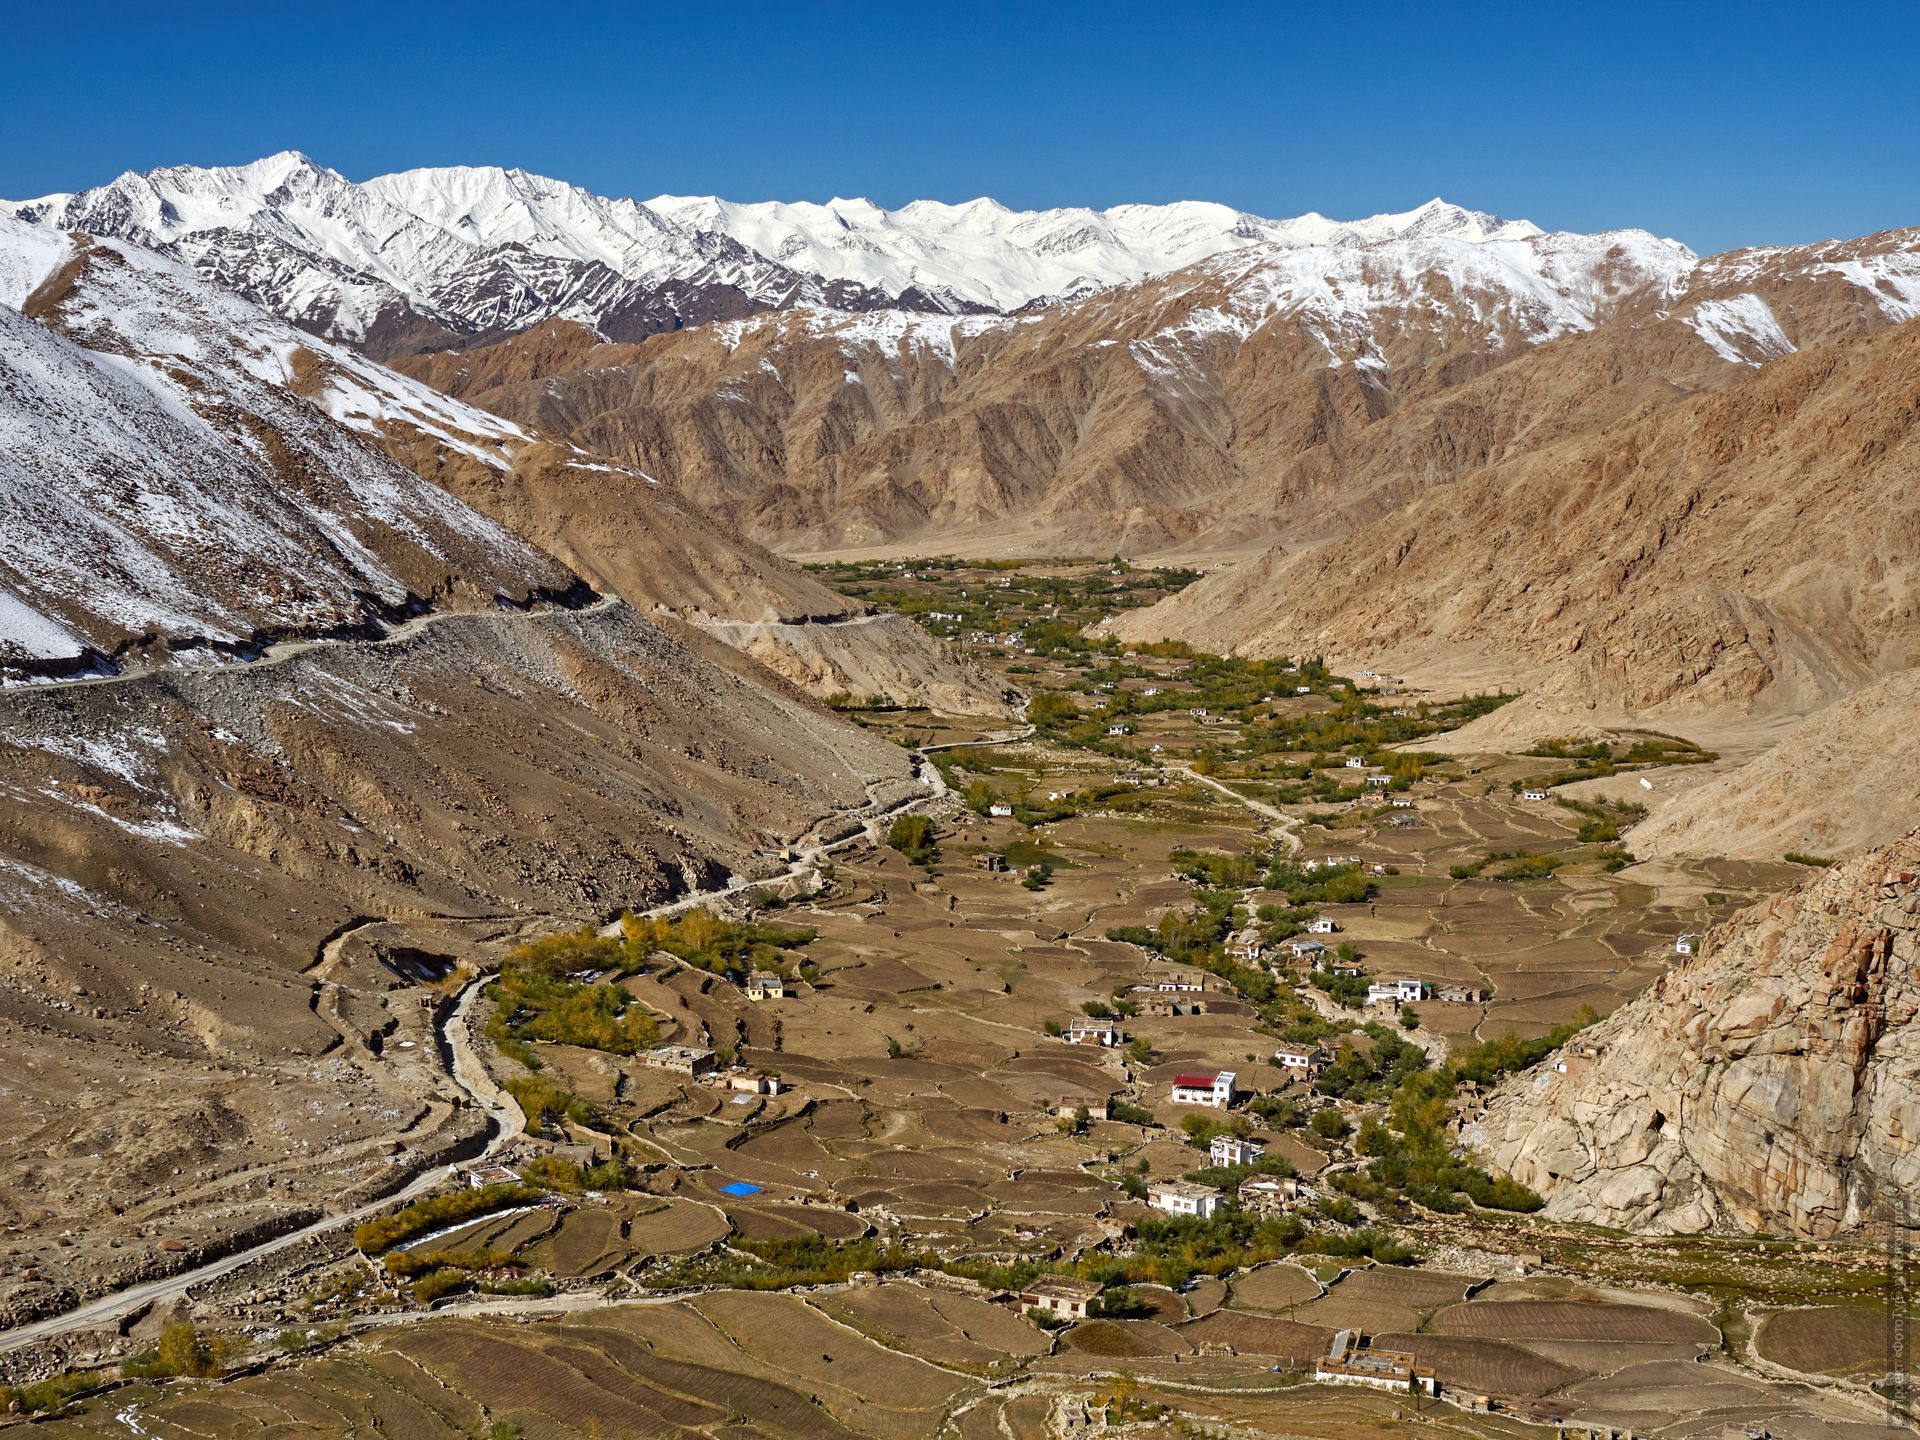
(913, 837)
(1330, 1124)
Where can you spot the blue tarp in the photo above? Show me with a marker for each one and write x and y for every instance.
(739, 1187)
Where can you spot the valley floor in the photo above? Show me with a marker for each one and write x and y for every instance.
(838, 1257)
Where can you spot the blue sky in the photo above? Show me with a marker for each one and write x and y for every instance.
(1722, 125)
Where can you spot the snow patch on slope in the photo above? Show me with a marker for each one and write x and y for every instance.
(27, 257)
(1741, 330)
(1892, 279)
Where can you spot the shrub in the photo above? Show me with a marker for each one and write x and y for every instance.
(51, 1393)
(437, 1284)
(544, 1104)
(1330, 1124)
(432, 1212)
(183, 1349)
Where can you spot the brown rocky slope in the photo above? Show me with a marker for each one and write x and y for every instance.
(1771, 1082)
(177, 847)
(1837, 782)
(1751, 550)
(1270, 393)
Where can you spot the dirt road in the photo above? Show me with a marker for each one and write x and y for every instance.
(469, 1073)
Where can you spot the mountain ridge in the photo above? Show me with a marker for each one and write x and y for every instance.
(1265, 392)
(436, 257)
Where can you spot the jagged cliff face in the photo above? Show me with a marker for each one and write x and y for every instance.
(1770, 1083)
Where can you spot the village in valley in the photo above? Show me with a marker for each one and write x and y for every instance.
(1127, 1078)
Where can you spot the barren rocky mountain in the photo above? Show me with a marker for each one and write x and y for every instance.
(1742, 550)
(1768, 1082)
(1290, 392)
(159, 485)
(309, 690)
(266, 498)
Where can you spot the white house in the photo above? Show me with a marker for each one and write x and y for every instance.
(1060, 1295)
(1355, 762)
(1683, 944)
(766, 985)
(1178, 984)
(1116, 730)
(1533, 795)
(1000, 811)
(1183, 1197)
(1379, 782)
(1306, 949)
(1246, 946)
(1088, 1030)
(1232, 1150)
(1396, 992)
(1301, 1059)
(1210, 1088)
(1322, 925)
(1350, 1362)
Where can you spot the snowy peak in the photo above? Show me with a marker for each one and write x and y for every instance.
(982, 255)
(430, 258)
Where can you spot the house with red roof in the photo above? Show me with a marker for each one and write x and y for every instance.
(1204, 1087)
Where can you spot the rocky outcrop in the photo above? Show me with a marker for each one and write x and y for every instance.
(1769, 1083)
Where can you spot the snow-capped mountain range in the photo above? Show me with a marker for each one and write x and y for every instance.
(428, 258)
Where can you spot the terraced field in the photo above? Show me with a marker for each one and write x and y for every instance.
(1847, 1341)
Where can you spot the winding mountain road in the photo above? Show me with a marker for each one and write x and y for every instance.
(282, 651)
(469, 1073)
